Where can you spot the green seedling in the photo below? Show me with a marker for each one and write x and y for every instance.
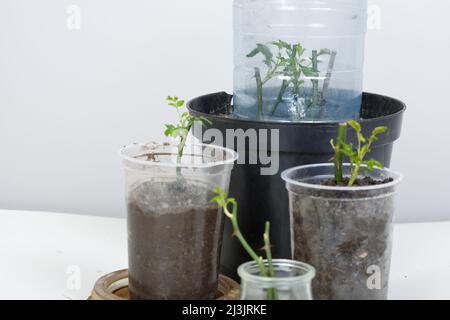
(356, 155)
(339, 154)
(181, 130)
(291, 64)
(230, 208)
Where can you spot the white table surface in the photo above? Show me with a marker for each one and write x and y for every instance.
(42, 256)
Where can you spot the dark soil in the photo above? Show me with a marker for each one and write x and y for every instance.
(174, 239)
(343, 235)
(364, 182)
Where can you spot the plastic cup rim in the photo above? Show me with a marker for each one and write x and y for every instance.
(233, 156)
(398, 177)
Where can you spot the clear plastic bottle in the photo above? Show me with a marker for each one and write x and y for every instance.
(299, 60)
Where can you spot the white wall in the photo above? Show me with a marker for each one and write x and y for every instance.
(70, 98)
(408, 59)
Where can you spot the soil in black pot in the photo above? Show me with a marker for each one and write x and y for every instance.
(346, 236)
(174, 239)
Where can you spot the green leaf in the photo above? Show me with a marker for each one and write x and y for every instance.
(185, 115)
(376, 132)
(179, 132)
(267, 54)
(286, 45)
(299, 49)
(355, 125)
(309, 72)
(281, 44)
(372, 164)
(169, 130)
(373, 138)
(218, 190)
(365, 149)
(265, 51)
(174, 102)
(379, 130)
(253, 53)
(277, 44)
(220, 198)
(361, 138)
(347, 149)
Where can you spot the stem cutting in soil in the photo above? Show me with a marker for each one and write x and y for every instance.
(181, 130)
(230, 208)
(356, 155)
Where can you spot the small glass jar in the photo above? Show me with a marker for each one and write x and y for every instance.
(292, 281)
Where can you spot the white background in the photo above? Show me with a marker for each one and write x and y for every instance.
(70, 98)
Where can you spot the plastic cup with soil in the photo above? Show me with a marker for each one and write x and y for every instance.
(174, 231)
(344, 232)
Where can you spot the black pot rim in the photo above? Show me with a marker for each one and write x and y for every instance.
(293, 124)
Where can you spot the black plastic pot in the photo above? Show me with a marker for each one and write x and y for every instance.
(264, 198)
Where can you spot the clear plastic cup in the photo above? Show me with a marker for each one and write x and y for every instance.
(344, 232)
(174, 230)
(320, 79)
